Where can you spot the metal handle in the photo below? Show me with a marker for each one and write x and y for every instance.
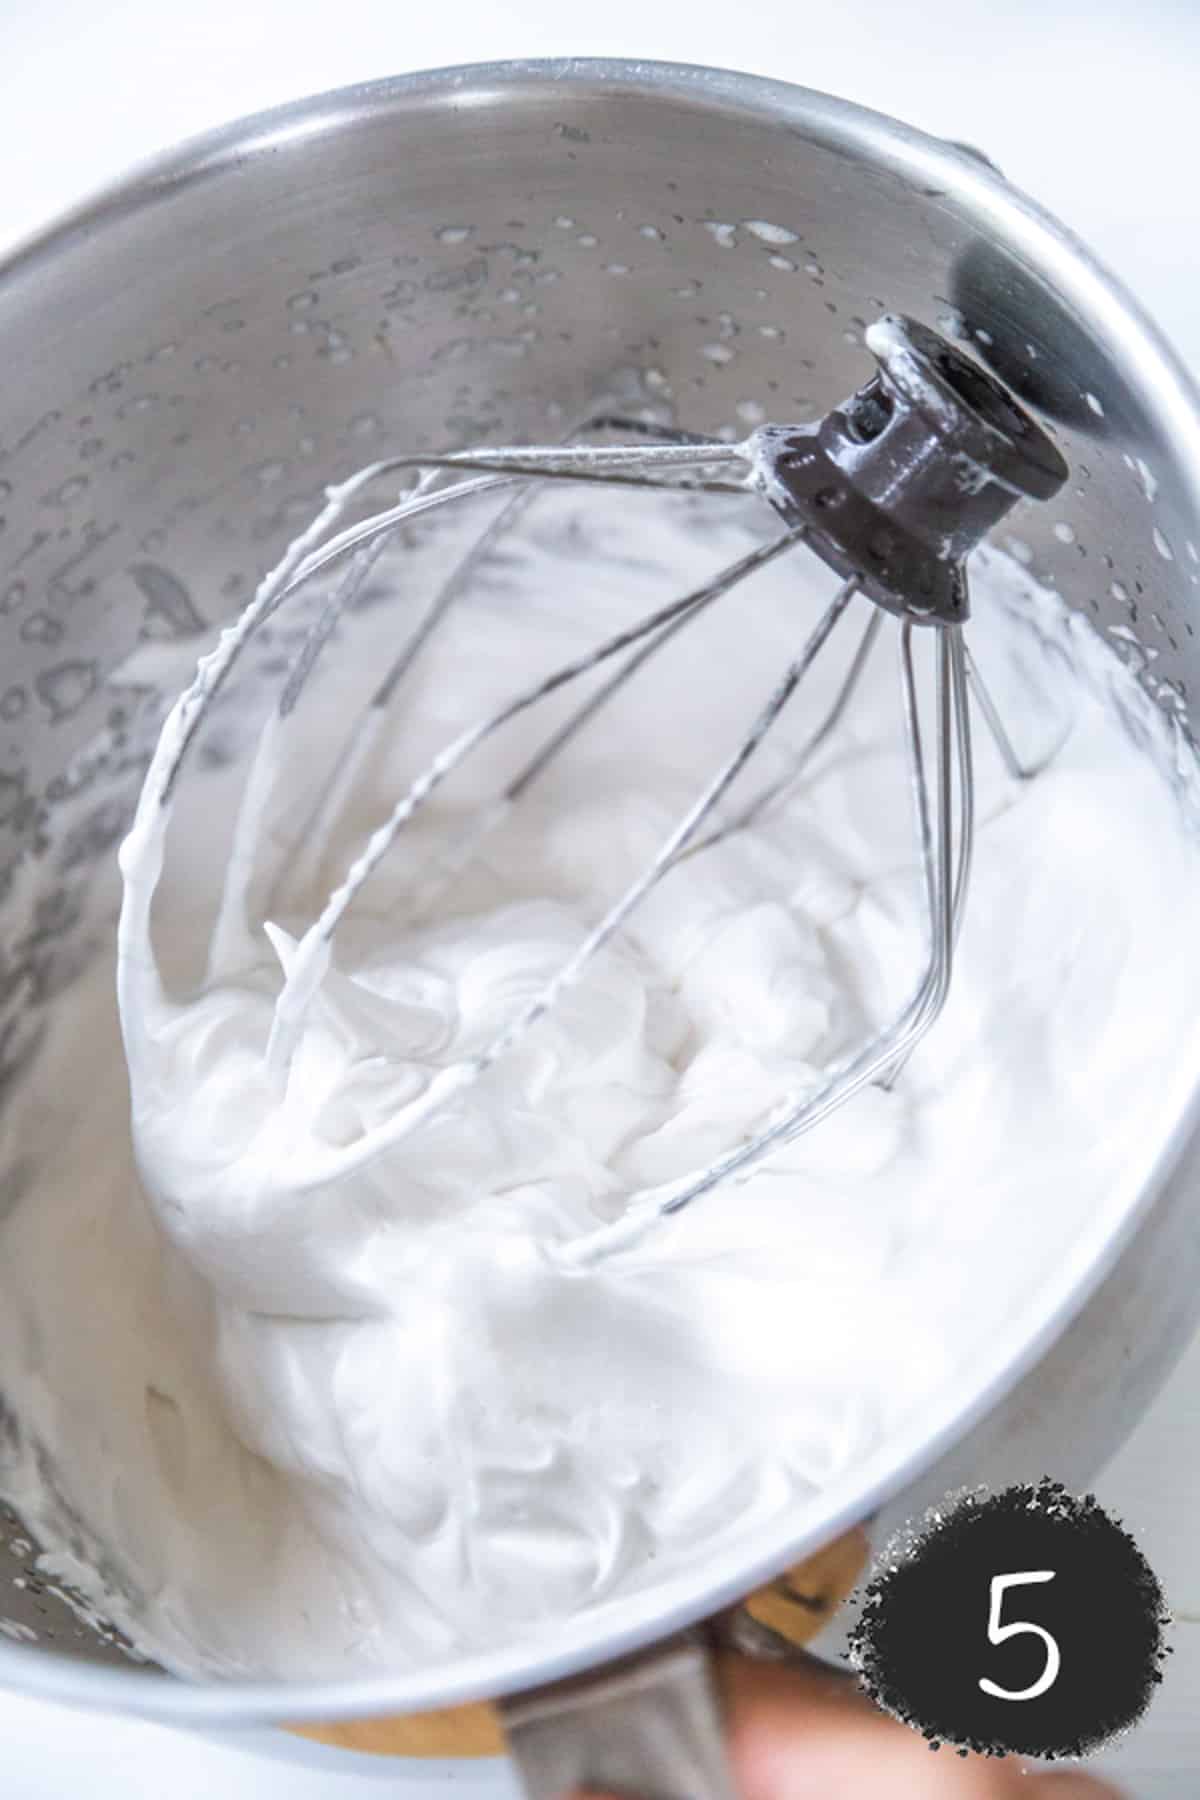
(651, 1724)
(648, 1726)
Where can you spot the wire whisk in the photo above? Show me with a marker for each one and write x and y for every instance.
(892, 490)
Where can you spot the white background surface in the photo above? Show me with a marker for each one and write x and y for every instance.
(1092, 105)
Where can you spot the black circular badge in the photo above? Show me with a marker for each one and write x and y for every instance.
(1024, 1622)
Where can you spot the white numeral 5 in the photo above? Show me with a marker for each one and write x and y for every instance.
(998, 1633)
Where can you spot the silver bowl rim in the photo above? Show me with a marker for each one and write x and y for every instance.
(1170, 395)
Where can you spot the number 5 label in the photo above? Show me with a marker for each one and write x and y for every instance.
(999, 1634)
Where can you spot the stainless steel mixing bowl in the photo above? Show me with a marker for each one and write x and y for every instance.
(449, 257)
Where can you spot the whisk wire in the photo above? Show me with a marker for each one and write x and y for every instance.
(368, 541)
(312, 952)
(845, 1078)
(674, 453)
(452, 859)
(301, 870)
(804, 756)
(452, 1081)
(1017, 767)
